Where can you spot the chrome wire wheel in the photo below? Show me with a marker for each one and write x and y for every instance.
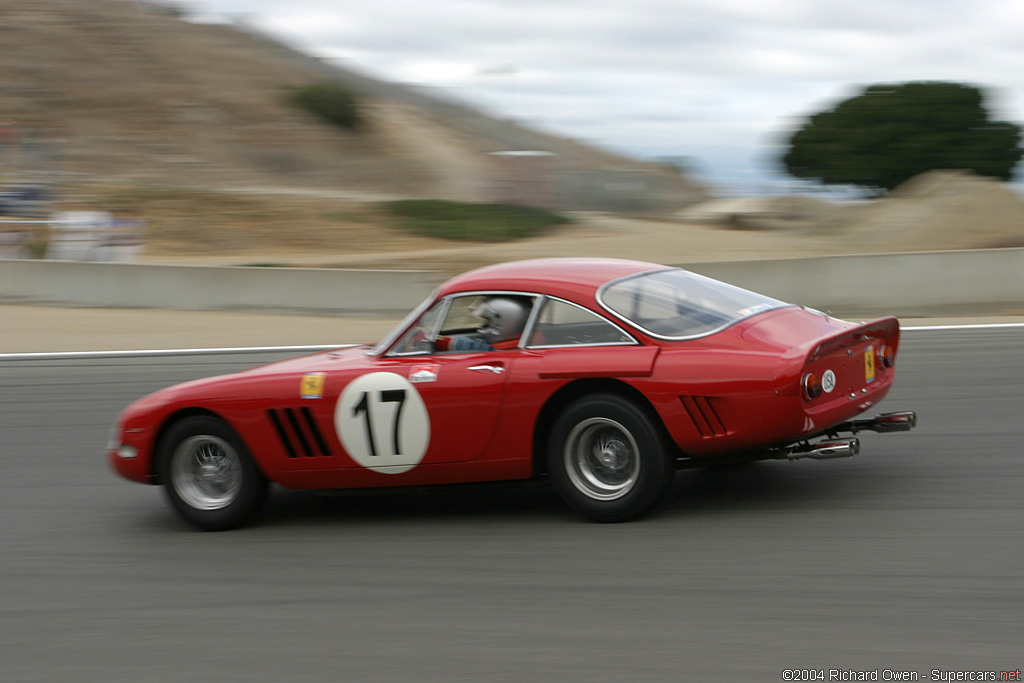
(206, 472)
(602, 459)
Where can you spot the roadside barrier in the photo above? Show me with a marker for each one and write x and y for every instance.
(898, 282)
(325, 291)
(909, 282)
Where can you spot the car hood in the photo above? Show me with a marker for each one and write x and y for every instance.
(212, 386)
(316, 362)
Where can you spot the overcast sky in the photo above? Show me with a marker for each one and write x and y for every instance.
(716, 81)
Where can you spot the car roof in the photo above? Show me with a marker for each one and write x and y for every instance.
(568, 278)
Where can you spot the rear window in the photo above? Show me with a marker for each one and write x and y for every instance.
(678, 304)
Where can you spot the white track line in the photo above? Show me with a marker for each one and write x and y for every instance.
(980, 326)
(56, 355)
(139, 353)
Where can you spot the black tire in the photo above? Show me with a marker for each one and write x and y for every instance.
(607, 458)
(208, 475)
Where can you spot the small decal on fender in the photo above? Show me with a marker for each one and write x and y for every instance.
(312, 385)
(424, 373)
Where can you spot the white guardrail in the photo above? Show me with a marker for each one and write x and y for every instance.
(897, 282)
(324, 291)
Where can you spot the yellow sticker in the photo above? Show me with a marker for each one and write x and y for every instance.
(312, 385)
(869, 364)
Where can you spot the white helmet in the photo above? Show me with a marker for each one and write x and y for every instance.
(503, 318)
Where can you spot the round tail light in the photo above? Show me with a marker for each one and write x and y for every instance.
(887, 356)
(812, 386)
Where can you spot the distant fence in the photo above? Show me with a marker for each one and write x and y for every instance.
(901, 283)
(74, 235)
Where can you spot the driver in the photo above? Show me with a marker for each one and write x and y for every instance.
(502, 322)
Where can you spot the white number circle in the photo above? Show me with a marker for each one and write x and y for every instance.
(383, 423)
(828, 381)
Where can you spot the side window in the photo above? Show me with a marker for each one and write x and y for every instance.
(461, 318)
(565, 324)
(484, 322)
(474, 322)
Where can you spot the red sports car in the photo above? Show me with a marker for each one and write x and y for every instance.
(603, 375)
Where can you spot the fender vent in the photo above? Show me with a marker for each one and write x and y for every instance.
(298, 432)
(705, 418)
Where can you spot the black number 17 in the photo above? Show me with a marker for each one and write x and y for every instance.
(387, 396)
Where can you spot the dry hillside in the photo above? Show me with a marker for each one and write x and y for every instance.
(126, 91)
(137, 111)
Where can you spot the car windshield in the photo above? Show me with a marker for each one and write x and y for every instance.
(391, 336)
(678, 304)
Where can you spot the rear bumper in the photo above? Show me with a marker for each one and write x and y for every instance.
(902, 421)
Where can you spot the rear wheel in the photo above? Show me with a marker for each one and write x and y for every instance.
(208, 475)
(607, 458)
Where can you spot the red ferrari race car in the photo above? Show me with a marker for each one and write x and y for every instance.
(603, 375)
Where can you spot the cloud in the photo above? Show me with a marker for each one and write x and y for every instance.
(660, 77)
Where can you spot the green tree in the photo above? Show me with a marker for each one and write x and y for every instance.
(329, 102)
(890, 133)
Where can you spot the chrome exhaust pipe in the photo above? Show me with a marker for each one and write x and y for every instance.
(826, 450)
(886, 422)
(895, 422)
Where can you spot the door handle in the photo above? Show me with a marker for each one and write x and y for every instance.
(496, 369)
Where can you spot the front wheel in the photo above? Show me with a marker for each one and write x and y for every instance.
(208, 475)
(607, 458)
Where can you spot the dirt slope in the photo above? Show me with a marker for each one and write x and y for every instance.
(942, 210)
(935, 210)
(127, 91)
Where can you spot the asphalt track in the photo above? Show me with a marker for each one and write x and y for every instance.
(907, 557)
